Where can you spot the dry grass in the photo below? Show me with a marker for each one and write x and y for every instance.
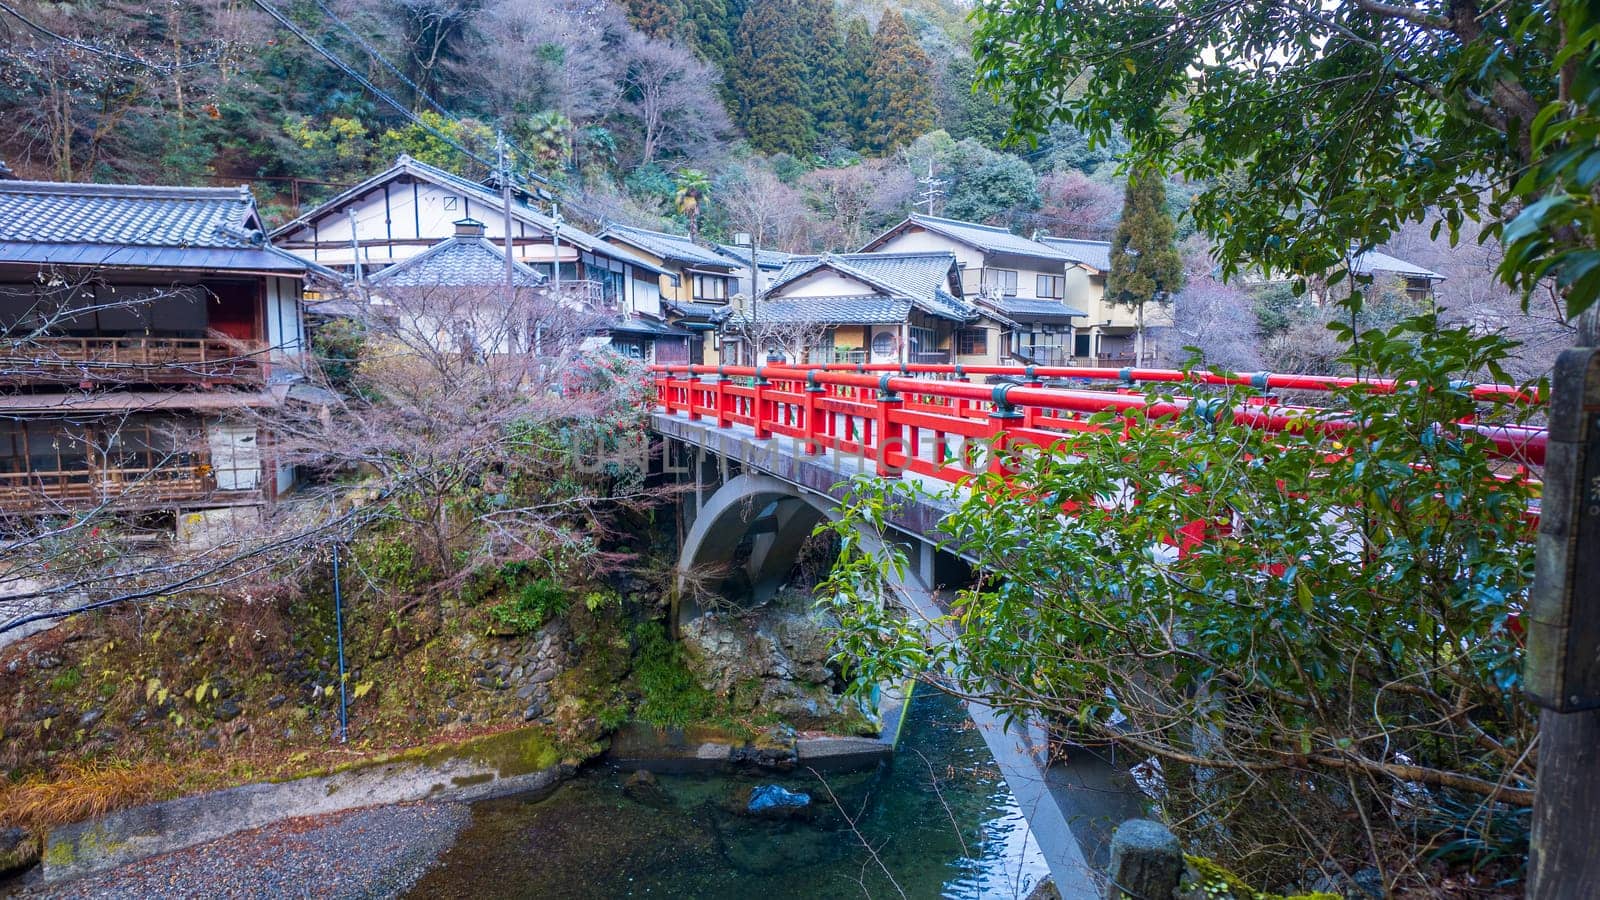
(82, 791)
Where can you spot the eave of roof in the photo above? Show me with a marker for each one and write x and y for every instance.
(1374, 261)
(873, 309)
(137, 401)
(1095, 255)
(268, 260)
(666, 246)
(1029, 310)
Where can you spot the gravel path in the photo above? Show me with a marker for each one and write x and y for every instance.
(362, 853)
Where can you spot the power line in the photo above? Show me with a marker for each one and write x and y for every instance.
(383, 61)
(423, 95)
(362, 80)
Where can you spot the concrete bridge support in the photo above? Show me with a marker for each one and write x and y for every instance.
(747, 534)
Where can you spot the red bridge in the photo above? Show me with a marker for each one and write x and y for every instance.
(762, 453)
(934, 421)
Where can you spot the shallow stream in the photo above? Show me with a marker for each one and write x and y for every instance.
(939, 820)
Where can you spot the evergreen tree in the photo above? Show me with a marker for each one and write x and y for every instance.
(711, 30)
(768, 82)
(1145, 264)
(967, 110)
(856, 63)
(902, 86)
(657, 18)
(825, 74)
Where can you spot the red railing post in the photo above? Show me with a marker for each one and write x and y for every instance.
(724, 400)
(691, 384)
(891, 434)
(813, 409)
(1002, 419)
(760, 420)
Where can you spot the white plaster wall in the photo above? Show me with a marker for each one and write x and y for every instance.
(824, 283)
(927, 241)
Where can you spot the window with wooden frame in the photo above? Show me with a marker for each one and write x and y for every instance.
(972, 341)
(713, 288)
(1002, 280)
(1052, 287)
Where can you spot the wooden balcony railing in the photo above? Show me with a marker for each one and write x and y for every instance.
(134, 487)
(130, 359)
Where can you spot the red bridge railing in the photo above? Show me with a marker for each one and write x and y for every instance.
(932, 421)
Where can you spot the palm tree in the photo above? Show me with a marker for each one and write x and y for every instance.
(694, 191)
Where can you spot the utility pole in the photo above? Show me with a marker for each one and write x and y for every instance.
(747, 239)
(931, 187)
(355, 245)
(555, 244)
(504, 174)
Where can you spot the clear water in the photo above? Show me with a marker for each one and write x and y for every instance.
(939, 819)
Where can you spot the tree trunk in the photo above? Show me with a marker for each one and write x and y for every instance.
(1138, 337)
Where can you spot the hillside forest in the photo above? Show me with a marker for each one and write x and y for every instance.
(810, 124)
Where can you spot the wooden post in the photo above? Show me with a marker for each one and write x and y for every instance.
(1562, 668)
(1146, 862)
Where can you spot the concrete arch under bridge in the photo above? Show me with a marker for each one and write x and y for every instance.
(747, 535)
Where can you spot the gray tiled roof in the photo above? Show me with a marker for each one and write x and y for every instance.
(988, 238)
(455, 262)
(920, 278)
(869, 309)
(1094, 254)
(710, 312)
(1372, 262)
(635, 324)
(1024, 309)
(135, 225)
(667, 246)
(768, 260)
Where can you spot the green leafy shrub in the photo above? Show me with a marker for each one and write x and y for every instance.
(670, 695)
(1312, 623)
(535, 603)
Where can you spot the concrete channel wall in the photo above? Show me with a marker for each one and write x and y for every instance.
(129, 835)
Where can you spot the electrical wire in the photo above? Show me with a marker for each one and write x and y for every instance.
(421, 94)
(362, 80)
(381, 60)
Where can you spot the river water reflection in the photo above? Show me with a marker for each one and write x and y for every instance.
(940, 820)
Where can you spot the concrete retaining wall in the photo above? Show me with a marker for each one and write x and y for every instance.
(122, 837)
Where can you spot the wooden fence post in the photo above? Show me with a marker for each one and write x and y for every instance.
(1562, 667)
